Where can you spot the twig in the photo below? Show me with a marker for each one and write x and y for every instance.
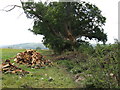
(13, 6)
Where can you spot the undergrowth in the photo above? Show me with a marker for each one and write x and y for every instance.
(99, 66)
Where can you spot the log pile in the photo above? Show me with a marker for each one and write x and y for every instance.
(32, 59)
(8, 67)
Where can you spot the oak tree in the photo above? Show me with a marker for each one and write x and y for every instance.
(64, 24)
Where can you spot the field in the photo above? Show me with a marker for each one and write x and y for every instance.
(38, 78)
(86, 68)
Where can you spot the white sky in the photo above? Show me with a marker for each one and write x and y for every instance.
(14, 27)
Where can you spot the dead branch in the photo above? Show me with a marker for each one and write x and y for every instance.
(13, 6)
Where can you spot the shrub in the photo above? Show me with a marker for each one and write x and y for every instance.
(103, 66)
(86, 48)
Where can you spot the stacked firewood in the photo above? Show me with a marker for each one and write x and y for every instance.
(32, 59)
(29, 57)
(8, 67)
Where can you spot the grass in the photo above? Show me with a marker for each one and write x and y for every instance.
(49, 77)
(94, 69)
(8, 53)
(39, 79)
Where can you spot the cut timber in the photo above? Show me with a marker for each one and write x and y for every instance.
(32, 58)
(8, 67)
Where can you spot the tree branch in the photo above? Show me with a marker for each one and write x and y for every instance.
(13, 6)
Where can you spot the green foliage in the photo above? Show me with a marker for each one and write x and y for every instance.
(58, 45)
(38, 48)
(86, 48)
(103, 66)
(63, 24)
(99, 69)
(66, 64)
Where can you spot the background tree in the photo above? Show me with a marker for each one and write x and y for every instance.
(38, 48)
(64, 24)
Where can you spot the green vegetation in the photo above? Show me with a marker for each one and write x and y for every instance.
(96, 70)
(103, 66)
(38, 78)
(77, 64)
(100, 68)
(65, 24)
(9, 53)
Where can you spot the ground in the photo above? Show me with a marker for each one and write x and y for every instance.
(86, 68)
(49, 77)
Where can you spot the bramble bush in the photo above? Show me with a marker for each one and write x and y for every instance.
(99, 65)
(103, 67)
(86, 48)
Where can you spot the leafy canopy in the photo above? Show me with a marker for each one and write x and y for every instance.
(64, 24)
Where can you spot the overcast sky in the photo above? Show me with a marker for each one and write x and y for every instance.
(14, 25)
